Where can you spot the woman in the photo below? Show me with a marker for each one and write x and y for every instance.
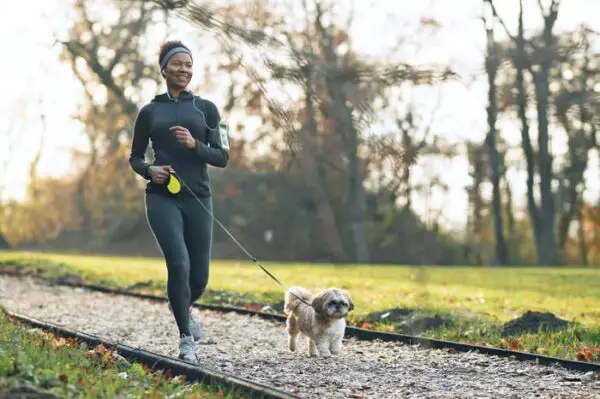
(185, 134)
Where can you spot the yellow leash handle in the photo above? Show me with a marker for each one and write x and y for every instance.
(174, 184)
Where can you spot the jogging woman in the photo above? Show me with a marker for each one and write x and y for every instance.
(186, 135)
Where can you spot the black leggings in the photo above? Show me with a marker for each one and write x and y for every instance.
(183, 230)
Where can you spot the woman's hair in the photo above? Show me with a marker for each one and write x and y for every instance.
(166, 47)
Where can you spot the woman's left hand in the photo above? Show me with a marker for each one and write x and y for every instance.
(184, 136)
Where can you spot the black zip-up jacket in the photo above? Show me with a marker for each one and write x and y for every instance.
(194, 113)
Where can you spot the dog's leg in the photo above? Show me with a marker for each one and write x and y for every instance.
(336, 345)
(312, 347)
(323, 347)
(293, 331)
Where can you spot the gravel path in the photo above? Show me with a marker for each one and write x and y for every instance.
(256, 349)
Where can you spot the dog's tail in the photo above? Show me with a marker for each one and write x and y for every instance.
(291, 301)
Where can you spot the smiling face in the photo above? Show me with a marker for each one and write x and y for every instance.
(179, 71)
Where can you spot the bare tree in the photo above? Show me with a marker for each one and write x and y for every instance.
(111, 60)
(538, 59)
(492, 63)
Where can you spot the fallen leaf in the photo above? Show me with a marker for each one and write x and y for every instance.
(542, 351)
(100, 349)
(252, 307)
(146, 368)
(512, 344)
(584, 355)
(57, 343)
(64, 378)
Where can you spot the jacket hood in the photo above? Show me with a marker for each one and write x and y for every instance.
(164, 97)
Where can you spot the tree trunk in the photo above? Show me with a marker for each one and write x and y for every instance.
(579, 144)
(317, 175)
(581, 234)
(477, 205)
(548, 253)
(359, 214)
(491, 66)
(3, 242)
(509, 212)
(407, 192)
(346, 128)
(521, 63)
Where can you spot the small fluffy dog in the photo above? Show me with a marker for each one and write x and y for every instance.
(323, 322)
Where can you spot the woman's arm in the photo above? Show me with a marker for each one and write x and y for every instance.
(216, 153)
(141, 137)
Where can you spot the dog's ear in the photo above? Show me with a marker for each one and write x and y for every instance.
(318, 302)
(350, 303)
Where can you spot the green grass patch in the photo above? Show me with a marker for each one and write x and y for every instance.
(467, 304)
(35, 361)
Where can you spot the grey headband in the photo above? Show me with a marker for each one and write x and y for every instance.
(171, 52)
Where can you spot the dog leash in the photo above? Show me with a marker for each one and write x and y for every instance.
(174, 187)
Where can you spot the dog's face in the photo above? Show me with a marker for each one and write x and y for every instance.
(333, 303)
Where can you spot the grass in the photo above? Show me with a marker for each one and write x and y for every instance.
(474, 302)
(38, 362)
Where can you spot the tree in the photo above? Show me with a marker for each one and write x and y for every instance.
(492, 63)
(106, 59)
(537, 57)
(574, 109)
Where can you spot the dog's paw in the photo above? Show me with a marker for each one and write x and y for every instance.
(336, 350)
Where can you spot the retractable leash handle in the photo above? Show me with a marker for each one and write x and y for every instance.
(174, 184)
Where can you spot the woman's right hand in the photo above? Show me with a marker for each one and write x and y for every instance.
(160, 174)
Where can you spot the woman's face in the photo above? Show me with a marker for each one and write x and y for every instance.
(179, 70)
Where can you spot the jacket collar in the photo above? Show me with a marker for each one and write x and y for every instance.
(166, 97)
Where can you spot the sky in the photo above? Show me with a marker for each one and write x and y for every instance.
(36, 83)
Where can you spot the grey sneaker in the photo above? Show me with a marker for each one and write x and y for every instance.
(187, 349)
(194, 325)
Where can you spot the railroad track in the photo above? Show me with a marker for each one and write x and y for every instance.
(192, 372)
(355, 332)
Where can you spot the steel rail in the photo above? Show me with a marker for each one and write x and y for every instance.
(192, 372)
(356, 332)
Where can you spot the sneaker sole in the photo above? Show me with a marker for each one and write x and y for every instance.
(182, 357)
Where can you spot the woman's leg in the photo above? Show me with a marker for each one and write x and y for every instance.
(198, 230)
(166, 221)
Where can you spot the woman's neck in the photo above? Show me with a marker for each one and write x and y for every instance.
(173, 91)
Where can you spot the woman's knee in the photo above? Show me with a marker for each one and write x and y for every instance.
(199, 281)
(178, 267)
(199, 276)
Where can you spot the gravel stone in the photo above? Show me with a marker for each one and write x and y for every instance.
(256, 349)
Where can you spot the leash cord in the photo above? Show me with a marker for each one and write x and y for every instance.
(238, 243)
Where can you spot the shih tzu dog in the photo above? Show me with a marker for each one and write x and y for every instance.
(323, 322)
